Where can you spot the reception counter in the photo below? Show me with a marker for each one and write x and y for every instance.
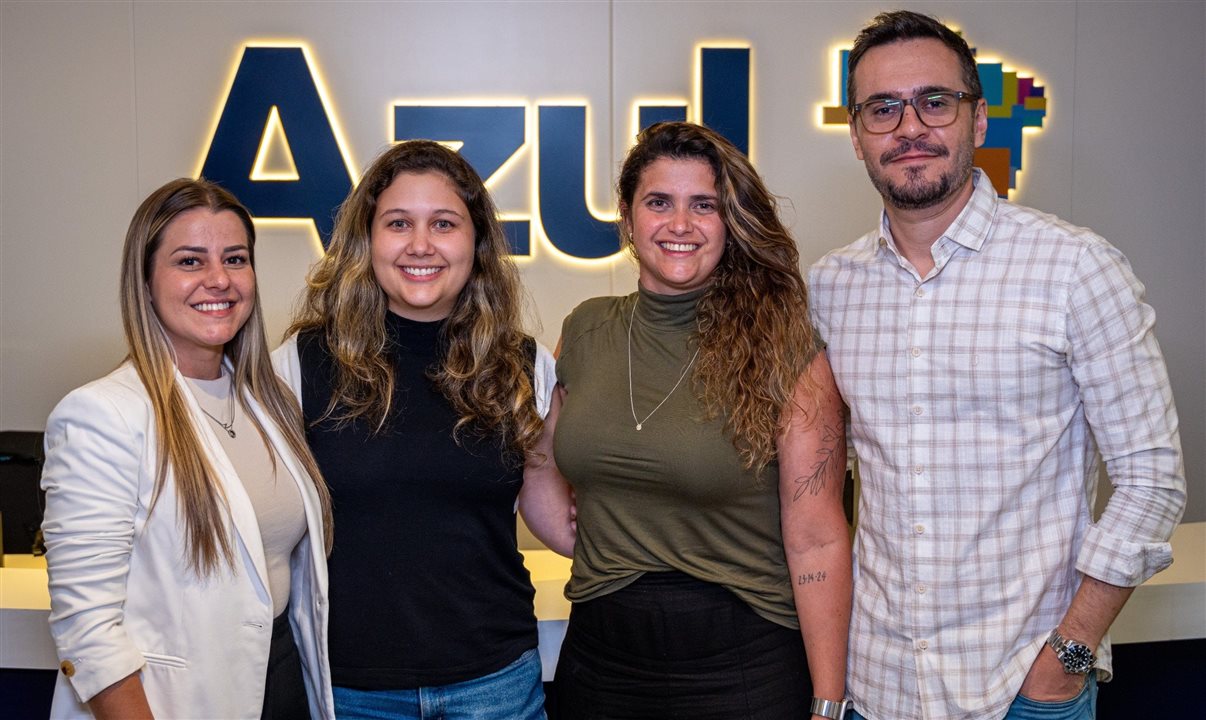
(25, 604)
(1170, 606)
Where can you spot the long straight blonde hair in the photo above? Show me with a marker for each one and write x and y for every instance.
(201, 501)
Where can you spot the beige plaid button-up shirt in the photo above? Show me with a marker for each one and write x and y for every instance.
(978, 398)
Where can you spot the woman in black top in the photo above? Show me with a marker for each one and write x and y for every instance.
(423, 401)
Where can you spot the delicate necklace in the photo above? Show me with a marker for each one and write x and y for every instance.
(631, 403)
(227, 426)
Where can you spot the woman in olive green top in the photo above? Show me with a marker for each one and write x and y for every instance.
(703, 434)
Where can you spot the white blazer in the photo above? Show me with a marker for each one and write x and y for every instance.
(122, 596)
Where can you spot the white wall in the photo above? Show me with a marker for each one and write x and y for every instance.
(100, 102)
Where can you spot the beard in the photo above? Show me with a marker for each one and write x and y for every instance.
(916, 193)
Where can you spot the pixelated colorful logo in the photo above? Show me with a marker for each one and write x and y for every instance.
(1014, 103)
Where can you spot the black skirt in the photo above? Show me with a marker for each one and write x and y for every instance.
(284, 688)
(671, 646)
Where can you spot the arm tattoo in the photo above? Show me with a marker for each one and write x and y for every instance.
(812, 577)
(815, 482)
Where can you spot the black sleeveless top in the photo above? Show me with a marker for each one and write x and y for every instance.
(427, 586)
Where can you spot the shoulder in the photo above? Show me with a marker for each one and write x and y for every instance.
(858, 253)
(1030, 223)
(120, 393)
(838, 274)
(1070, 250)
(287, 363)
(111, 416)
(544, 376)
(591, 315)
(301, 357)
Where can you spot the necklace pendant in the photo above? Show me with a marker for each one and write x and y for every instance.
(230, 432)
(638, 426)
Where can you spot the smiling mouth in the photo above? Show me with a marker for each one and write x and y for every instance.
(678, 247)
(421, 272)
(213, 306)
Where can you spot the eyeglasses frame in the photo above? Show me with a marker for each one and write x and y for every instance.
(960, 96)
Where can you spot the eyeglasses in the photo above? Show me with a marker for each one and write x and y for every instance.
(935, 110)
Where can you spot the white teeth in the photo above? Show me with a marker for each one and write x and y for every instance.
(212, 306)
(421, 271)
(679, 247)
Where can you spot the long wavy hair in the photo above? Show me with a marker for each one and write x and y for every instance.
(484, 370)
(753, 334)
(200, 497)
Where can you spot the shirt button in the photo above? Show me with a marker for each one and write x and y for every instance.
(917, 410)
(922, 645)
(915, 352)
(67, 667)
(919, 292)
(919, 529)
(918, 469)
(921, 589)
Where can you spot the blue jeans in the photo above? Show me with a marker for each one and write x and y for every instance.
(1081, 707)
(513, 693)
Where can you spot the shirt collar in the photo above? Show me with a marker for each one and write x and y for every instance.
(969, 229)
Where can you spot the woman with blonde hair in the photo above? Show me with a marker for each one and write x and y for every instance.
(186, 521)
(423, 400)
(702, 431)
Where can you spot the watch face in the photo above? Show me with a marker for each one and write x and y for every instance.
(1077, 658)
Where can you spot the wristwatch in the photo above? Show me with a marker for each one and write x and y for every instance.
(1078, 658)
(832, 709)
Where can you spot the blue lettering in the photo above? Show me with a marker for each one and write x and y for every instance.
(491, 136)
(725, 81)
(564, 215)
(280, 77)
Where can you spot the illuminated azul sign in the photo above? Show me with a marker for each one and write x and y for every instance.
(276, 100)
(1016, 103)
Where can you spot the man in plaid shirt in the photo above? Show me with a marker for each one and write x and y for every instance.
(987, 352)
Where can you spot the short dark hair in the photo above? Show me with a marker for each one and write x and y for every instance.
(898, 25)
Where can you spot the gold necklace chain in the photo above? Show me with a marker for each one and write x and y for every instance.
(631, 403)
(227, 426)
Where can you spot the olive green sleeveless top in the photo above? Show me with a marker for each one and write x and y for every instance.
(673, 495)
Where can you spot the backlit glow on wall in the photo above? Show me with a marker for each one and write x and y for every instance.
(297, 165)
(1017, 105)
(274, 159)
(280, 79)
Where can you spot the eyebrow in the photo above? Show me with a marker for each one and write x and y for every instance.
(200, 250)
(404, 211)
(666, 196)
(923, 90)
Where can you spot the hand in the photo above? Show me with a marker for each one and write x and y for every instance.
(1047, 681)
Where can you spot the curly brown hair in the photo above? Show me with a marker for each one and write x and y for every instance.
(485, 371)
(753, 334)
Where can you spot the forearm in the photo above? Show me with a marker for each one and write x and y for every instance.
(1087, 619)
(816, 539)
(546, 499)
(1093, 610)
(821, 586)
(124, 700)
(547, 508)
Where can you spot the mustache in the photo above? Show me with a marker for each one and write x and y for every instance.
(908, 146)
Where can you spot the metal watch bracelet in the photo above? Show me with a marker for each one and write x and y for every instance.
(832, 709)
